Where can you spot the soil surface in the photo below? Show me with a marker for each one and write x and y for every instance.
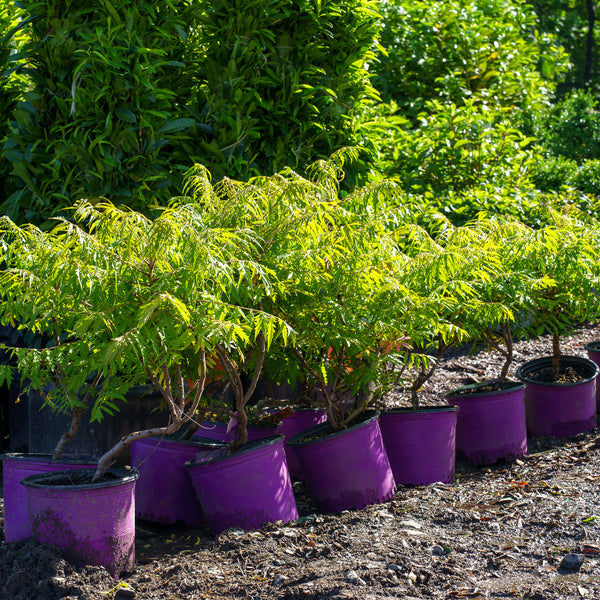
(528, 529)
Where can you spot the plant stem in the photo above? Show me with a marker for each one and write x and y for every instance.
(508, 342)
(109, 457)
(555, 355)
(70, 434)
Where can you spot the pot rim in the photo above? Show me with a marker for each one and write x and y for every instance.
(246, 448)
(471, 389)
(47, 457)
(223, 424)
(199, 441)
(124, 476)
(420, 410)
(367, 417)
(593, 346)
(564, 359)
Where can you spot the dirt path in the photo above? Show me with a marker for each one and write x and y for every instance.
(525, 530)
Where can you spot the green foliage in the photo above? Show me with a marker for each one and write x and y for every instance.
(570, 128)
(564, 255)
(127, 299)
(11, 82)
(279, 82)
(586, 177)
(335, 269)
(567, 21)
(101, 117)
(488, 50)
(460, 147)
(552, 173)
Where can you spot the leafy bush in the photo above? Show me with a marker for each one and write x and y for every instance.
(279, 82)
(456, 50)
(586, 177)
(570, 128)
(564, 256)
(102, 114)
(11, 82)
(460, 147)
(552, 173)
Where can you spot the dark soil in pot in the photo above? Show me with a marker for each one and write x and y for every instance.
(565, 375)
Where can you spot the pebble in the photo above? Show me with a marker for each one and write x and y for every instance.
(125, 593)
(352, 577)
(571, 562)
(437, 550)
(279, 579)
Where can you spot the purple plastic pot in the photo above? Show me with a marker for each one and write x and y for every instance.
(92, 523)
(15, 468)
(301, 419)
(420, 444)
(347, 468)
(247, 488)
(593, 351)
(560, 409)
(164, 492)
(491, 424)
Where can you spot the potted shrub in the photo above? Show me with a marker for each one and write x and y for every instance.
(420, 441)
(491, 419)
(341, 298)
(127, 300)
(560, 391)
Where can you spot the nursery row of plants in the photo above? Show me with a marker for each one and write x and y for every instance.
(463, 214)
(287, 278)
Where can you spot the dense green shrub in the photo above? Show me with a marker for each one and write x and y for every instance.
(127, 95)
(586, 177)
(101, 117)
(568, 21)
(279, 82)
(570, 128)
(455, 50)
(11, 82)
(552, 173)
(461, 147)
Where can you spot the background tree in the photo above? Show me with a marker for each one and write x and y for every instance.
(100, 116)
(280, 83)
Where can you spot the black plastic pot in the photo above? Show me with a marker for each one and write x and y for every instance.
(45, 427)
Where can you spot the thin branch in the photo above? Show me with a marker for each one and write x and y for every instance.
(262, 349)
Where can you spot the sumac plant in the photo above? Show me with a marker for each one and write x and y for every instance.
(336, 287)
(564, 256)
(474, 281)
(128, 300)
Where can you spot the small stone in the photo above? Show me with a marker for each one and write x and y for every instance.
(125, 592)
(437, 550)
(352, 577)
(411, 524)
(395, 568)
(571, 562)
(583, 592)
(279, 579)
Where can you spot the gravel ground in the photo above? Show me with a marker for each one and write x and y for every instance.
(527, 529)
